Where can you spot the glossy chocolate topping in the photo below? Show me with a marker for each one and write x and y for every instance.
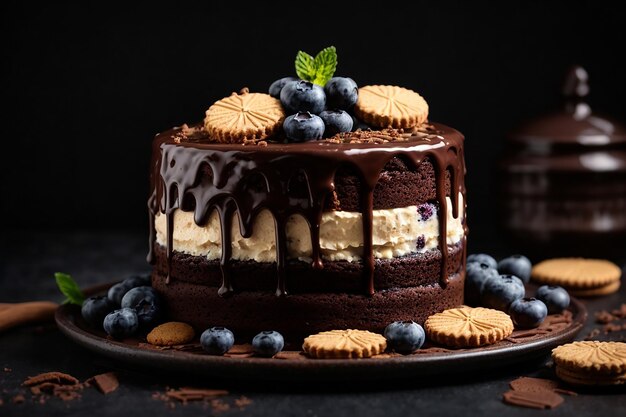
(246, 179)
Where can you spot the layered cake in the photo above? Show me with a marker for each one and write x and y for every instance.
(255, 226)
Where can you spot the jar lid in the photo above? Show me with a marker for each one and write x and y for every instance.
(575, 124)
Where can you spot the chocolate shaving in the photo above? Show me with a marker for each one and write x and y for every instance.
(106, 383)
(539, 400)
(240, 349)
(54, 377)
(186, 394)
(290, 354)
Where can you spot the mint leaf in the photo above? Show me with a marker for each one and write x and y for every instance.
(305, 66)
(317, 70)
(69, 288)
(325, 65)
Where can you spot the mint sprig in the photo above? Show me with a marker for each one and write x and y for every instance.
(69, 288)
(317, 70)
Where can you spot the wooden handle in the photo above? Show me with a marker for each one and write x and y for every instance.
(12, 315)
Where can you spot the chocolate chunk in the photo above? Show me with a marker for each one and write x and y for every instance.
(540, 400)
(106, 383)
(528, 384)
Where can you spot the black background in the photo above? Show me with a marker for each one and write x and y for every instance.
(88, 86)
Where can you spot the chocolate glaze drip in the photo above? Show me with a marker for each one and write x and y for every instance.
(246, 179)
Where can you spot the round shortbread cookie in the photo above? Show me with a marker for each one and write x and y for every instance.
(170, 334)
(576, 273)
(344, 344)
(596, 292)
(468, 327)
(244, 116)
(390, 106)
(599, 358)
(582, 378)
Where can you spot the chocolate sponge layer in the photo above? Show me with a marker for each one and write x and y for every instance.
(299, 315)
(336, 277)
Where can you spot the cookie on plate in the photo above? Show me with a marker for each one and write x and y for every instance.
(580, 276)
(170, 334)
(344, 344)
(591, 363)
(468, 326)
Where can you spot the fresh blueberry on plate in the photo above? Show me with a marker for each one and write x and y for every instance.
(146, 302)
(517, 265)
(476, 275)
(95, 309)
(303, 126)
(278, 85)
(499, 292)
(341, 93)
(528, 313)
(121, 323)
(268, 343)
(119, 290)
(555, 298)
(298, 96)
(404, 336)
(336, 121)
(483, 258)
(217, 340)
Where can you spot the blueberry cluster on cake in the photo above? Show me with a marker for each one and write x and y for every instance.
(318, 206)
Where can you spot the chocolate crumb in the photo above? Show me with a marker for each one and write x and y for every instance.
(7, 369)
(244, 90)
(242, 402)
(106, 383)
(1, 402)
(611, 327)
(604, 317)
(620, 312)
(593, 334)
(18, 399)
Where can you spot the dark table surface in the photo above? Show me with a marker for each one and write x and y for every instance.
(28, 261)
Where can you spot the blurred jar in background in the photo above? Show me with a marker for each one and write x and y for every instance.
(563, 181)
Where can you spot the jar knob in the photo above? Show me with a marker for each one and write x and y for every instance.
(575, 89)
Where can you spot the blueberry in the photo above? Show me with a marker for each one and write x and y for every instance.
(426, 210)
(117, 292)
(336, 121)
(137, 281)
(278, 85)
(517, 265)
(121, 323)
(341, 93)
(217, 340)
(359, 124)
(421, 242)
(303, 96)
(303, 126)
(528, 313)
(404, 336)
(555, 298)
(268, 343)
(146, 302)
(95, 309)
(499, 292)
(483, 258)
(476, 275)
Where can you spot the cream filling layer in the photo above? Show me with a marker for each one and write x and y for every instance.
(396, 232)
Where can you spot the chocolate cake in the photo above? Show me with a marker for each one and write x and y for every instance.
(302, 277)
(253, 230)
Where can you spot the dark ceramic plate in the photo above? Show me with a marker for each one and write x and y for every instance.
(521, 346)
